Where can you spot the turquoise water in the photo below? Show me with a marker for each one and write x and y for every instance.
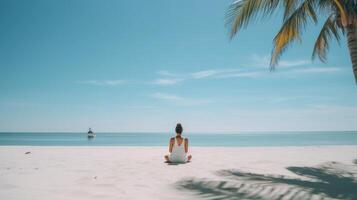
(161, 139)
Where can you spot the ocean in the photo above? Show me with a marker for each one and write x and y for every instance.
(195, 139)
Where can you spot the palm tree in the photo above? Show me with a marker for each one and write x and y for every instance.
(341, 20)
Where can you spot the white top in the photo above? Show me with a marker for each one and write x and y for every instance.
(178, 153)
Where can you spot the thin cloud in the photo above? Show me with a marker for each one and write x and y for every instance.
(247, 74)
(204, 74)
(264, 61)
(167, 81)
(168, 78)
(317, 70)
(163, 96)
(103, 82)
(293, 63)
(254, 71)
(251, 73)
(212, 73)
(180, 101)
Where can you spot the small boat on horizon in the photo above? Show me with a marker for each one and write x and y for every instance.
(90, 133)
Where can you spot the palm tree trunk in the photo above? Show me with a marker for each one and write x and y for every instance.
(352, 45)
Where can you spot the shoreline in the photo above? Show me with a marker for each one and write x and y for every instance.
(191, 147)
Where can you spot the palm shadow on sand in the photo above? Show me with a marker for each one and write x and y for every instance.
(328, 181)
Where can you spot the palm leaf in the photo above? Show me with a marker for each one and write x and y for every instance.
(292, 28)
(290, 6)
(329, 30)
(241, 12)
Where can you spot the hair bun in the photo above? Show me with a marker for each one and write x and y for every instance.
(179, 128)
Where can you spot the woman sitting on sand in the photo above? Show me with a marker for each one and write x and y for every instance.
(178, 148)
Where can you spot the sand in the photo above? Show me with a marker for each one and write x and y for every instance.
(51, 173)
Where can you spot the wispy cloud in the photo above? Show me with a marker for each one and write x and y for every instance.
(250, 73)
(264, 61)
(317, 70)
(166, 73)
(256, 69)
(172, 79)
(247, 74)
(178, 100)
(167, 81)
(169, 97)
(212, 73)
(204, 74)
(293, 63)
(103, 82)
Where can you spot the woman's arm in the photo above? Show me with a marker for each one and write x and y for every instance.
(186, 145)
(171, 145)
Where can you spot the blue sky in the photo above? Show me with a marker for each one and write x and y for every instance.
(146, 65)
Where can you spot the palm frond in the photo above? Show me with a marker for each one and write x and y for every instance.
(292, 28)
(329, 30)
(341, 6)
(241, 12)
(290, 7)
(327, 7)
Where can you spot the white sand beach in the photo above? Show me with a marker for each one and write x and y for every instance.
(60, 173)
